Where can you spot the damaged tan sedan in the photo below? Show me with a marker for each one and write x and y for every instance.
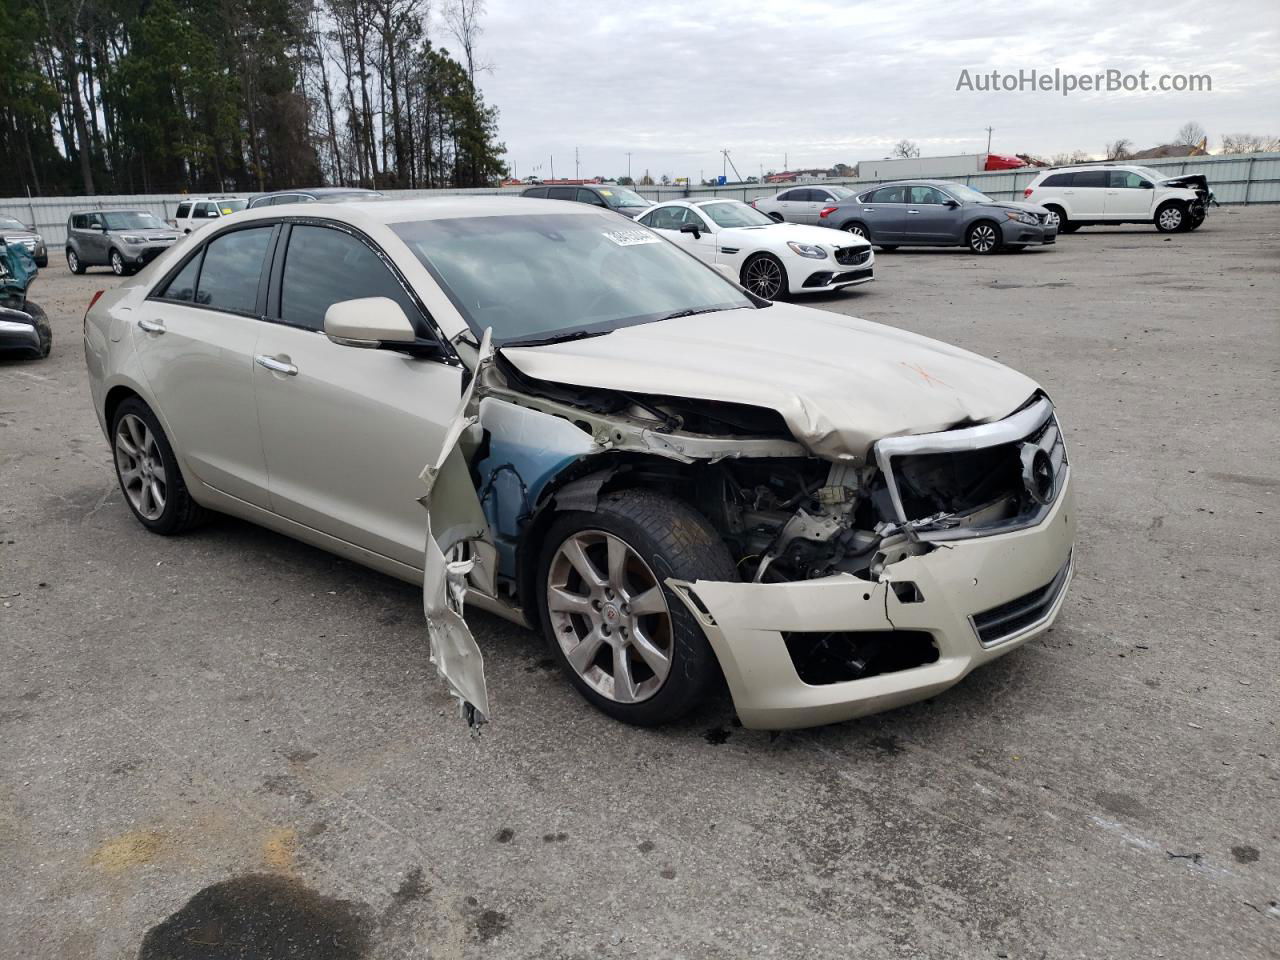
(596, 435)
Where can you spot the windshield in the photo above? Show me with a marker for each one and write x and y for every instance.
(231, 206)
(550, 275)
(966, 194)
(8, 223)
(617, 197)
(131, 221)
(349, 197)
(735, 213)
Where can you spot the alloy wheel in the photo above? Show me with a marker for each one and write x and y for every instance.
(117, 264)
(983, 238)
(764, 278)
(73, 262)
(1052, 219)
(1171, 218)
(609, 615)
(141, 467)
(856, 229)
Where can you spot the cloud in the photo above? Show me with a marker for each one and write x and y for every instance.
(820, 81)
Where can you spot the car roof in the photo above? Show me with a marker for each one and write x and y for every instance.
(390, 211)
(80, 213)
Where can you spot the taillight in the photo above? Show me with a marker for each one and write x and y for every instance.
(825, 211)
(753, 202)
(92, 301)
(1026, 193)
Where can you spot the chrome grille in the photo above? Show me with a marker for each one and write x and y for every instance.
(852, 256)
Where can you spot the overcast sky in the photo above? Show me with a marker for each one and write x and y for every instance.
(821, 81)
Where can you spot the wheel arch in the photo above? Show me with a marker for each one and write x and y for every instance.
(855, 222)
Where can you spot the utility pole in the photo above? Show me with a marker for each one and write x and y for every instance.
(553, 166)
(575, 163)
(628, 164)
(988, 139)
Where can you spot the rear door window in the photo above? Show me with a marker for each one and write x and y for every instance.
(888, 195)
(560, 193)
(184, 209)
(324, 266)
(183, 286)
(1058, 180)
(1089, 178)
(232, 268)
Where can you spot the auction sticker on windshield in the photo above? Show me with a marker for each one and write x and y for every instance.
(629, 238)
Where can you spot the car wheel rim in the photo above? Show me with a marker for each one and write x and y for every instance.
(1170, 219)
(117, 265)
(857, 231)
(984, 238)
(72, 262)
(1052, 219)
(764, 278)
(609, 615)
(141, 467)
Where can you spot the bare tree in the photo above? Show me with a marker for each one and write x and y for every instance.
(1190, 134)
(1249, 143)
(905, 149)
(1121, 149)
(462, 17)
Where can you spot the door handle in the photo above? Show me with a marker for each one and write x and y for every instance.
(277, 366)
(913, 211)
(151, 326)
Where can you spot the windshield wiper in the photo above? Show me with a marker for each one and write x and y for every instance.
(557, 338)
(692, 313)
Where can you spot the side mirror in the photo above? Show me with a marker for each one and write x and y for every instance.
(950, 203)
(691, 228)
(368, 322)
(1143, 185)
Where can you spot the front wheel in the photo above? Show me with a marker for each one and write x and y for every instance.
(148, 472)
(983, 237)
(765, 276)
(624, 639)
(118, 266)
(74, 263)
(1171, 218)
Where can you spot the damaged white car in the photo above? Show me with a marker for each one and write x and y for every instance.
(601, 437)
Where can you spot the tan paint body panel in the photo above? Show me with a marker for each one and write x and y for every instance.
(839, 382)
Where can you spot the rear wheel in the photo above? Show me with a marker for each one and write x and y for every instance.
(74, 264)
(857, 229)
(148, 472)
(1171, 218)
(765, 276)
(623, 638)
(983, 237)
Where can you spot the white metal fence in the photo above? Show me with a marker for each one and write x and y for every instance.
(1248, 178)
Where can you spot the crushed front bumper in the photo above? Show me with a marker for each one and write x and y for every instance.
(1011, 584)
(18, 334)
(1016, 233)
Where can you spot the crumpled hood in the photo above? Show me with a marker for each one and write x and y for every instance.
(1018, 205)
(839, 382)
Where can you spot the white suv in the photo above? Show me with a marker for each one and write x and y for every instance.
(194, 213)
(1120, 193)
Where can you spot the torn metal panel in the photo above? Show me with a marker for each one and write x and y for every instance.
(459, 552)
(839, 383)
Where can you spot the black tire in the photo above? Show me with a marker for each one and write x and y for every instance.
(1070, 227)
(117, 262)
(43, 328)
(887, 248)
(765, 276)
(984, 237)
(857, 229)
(1172, 217)
(180, 512)
(776, 218)
(674, 540)
(42, 262)
(74, 263)
(1061, 215)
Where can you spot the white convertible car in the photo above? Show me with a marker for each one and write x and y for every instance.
(769, 258)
